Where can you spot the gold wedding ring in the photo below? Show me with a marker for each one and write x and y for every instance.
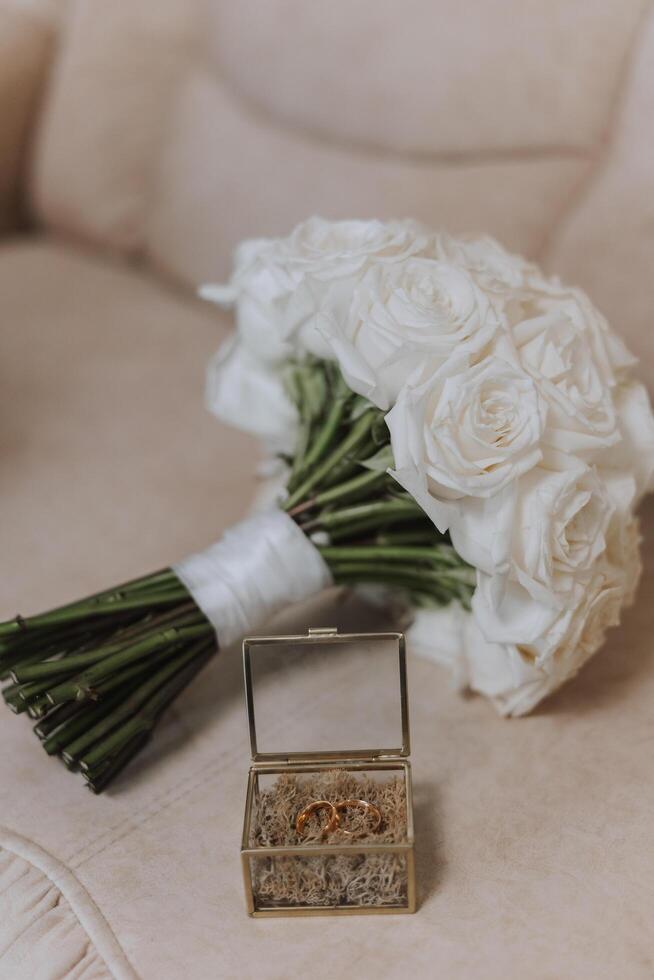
(369, 809)
(312, 808)
(334, 822)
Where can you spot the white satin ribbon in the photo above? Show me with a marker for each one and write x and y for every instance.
(259, 566)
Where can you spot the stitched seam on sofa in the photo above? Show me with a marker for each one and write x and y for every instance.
(35, 914)
(15, 881)
(133, 820)
(601, 157)
(203, 774)
(82, 905)
(87, 953)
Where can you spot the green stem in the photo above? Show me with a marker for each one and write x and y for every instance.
(349, 466)
(73, 727)
(39, 707)
(83, 685)
(323, 438)
(77, 661)
(55, 717)
(381, 511)
(439, 577)
(358, 529)
(12, 698)
(438, 553)
(147, 717)
(33, 690)
(111, 608)
(346, 492)
(99, 780)
(350, 488)
(411, 583)
(32, 645)
(358, 432)
(131, 704)
(426, 534)
(137, 670)
(19, 624)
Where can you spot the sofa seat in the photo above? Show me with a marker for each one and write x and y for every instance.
(535, 840)
(105, 438)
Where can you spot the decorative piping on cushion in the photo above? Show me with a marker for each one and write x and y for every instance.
(85, 909)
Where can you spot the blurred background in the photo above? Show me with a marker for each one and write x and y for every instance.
(139, 142)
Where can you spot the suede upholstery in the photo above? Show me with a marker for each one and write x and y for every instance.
(188, 126)
(145, 139)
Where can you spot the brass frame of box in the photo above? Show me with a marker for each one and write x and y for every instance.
(359, 760)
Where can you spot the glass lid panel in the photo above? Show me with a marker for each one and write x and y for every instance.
(327, 695)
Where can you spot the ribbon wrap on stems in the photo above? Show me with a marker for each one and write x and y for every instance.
(259, 566)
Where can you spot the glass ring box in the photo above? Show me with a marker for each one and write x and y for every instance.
(329, 725)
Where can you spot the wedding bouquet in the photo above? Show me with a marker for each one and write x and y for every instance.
(450, 425)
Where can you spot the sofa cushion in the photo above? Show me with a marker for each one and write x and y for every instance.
(116, 467)
(174, 129)
(606, 242)
(51, 927)
(106, 116)
(225, 174)
(534, 836)
(189, 125)
(438, 79)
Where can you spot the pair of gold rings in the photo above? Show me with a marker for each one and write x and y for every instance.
(334, 821)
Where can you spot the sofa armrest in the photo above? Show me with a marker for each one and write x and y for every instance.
(28, 33)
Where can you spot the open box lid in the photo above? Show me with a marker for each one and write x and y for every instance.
(326, 695)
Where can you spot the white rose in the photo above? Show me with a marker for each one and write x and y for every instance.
(634, 454)
(611, 357)
(557, 642)
(330, 258)
(249, 394)
(554, 348)
(263, 291)
(340, 249)
(501, 673)
(468, 430)
(437, 634)
(487, 261)
(504, 674)
(593, 618)
(278, 285)
(559, 529)
(545, 535)
(515, 677)
(623, 553)
(540, 629)
(498, 671)
(511, 616)
(402, 316)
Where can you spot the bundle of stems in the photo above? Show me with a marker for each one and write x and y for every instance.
(96, 675)
(367, 528)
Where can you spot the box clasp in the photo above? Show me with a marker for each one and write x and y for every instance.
(323, 631)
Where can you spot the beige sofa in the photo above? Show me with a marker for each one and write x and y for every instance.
(138, 142)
